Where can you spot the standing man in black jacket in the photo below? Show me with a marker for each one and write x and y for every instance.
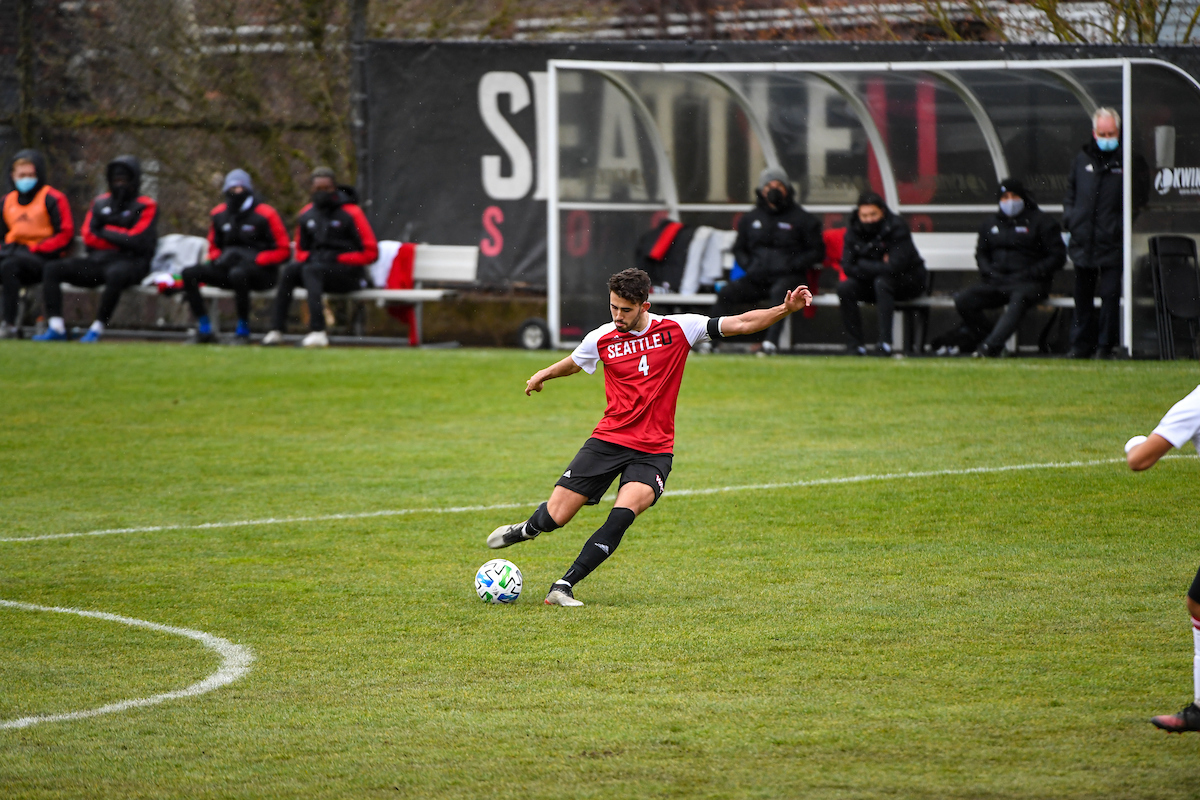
(776, 244)
(881, 266)
(334, 246)
(1018, 252)
(1094, 215)
(247, 242)
(121, 232)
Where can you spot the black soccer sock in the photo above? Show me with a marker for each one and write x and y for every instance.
(602, 545)
(541, 522)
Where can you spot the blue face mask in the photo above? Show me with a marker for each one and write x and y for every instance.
(1012, 207)
(1107, 145)
(25, 184)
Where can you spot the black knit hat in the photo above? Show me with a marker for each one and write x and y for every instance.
(869, 198)
(1012, 185)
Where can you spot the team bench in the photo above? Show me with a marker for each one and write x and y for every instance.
(942, 252)
(438, 264)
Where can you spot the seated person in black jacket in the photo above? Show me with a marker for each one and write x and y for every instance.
(1019, 250)
(121, 233)
(881, 266)
(776, 245)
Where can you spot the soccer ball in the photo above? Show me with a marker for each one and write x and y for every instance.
(498, 581)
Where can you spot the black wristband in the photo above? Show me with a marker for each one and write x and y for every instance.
(714, 328)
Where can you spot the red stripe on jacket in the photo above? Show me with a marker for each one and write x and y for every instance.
(283, 249)
(370, 250)
(66, 225)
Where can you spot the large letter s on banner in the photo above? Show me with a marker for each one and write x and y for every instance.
(491, 86)
(492, 217)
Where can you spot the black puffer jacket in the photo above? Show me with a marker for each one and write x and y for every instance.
(1027, 248)
(778, 243)
(341, 233)
(1093, 211)
(887, 251)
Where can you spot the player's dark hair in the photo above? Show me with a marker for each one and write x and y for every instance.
(630, 284)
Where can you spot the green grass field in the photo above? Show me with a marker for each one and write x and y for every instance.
(988, 635)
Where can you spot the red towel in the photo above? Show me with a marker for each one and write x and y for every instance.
(665, 240)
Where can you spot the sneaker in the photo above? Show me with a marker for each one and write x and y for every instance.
(315, 339)
(1186, 720)
(50, 335)
(508, 535)
(90, 337)
(855, 350)
(987, 351)
(272, 338)
(883, 350)
(1079, 353)
(202, 338)
(561, 595)
(768, 348)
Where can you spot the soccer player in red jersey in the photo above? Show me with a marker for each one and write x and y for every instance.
(643, 356)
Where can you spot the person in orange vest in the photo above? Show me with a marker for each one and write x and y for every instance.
(37, 227)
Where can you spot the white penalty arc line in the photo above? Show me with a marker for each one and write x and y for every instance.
(885, 476)
(235, 662)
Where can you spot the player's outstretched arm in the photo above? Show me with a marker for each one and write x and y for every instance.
(1146, 453)
(559, 370)
(763, 318)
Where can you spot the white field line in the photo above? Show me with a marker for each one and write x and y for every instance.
(235, 662)
(885, 476)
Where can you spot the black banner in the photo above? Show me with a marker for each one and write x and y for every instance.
(454, 154)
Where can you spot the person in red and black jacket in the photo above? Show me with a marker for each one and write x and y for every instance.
(246, 244)
(36, 226)
(334, 245)
(120, 232)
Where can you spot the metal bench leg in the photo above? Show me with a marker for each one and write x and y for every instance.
(898, 331)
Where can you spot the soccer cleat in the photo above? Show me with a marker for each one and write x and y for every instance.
(90, 337)
(50, 335)
(315, 339)
(1186, 720)
(508, 535)
(272, 338)
(561, 595)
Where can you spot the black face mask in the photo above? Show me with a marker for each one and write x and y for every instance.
(235, 200)
(122, 192)
(871, 229)
(324, 200)
(775, 197)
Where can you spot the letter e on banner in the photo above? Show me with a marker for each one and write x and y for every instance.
(492, 217)
(515, 186)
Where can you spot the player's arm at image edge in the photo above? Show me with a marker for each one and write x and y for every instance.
(560, 369)
(1146, 454)
(762, 318)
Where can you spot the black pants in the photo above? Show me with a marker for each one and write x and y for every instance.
(1085, 327)
(17, 269)
(317, 277)
(115, 273)
(240, 275)
(1018, 298)
(883, 291)
(744, 291)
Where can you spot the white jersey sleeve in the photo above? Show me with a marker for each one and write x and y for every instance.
(695, 327)
(1182, 423)
(587, 353)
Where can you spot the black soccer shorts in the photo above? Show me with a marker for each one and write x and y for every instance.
(1194, 589)
(597, 463)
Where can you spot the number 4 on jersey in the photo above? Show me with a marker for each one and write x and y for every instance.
(644, 367)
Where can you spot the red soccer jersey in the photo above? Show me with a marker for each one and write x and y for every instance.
(642, 373)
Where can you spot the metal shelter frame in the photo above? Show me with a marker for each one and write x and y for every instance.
(835, 75)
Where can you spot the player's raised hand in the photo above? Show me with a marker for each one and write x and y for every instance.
(798, 298)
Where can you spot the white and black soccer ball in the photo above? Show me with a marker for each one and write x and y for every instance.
(498, 581)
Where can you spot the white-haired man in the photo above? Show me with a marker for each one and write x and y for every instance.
(1094, 215)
